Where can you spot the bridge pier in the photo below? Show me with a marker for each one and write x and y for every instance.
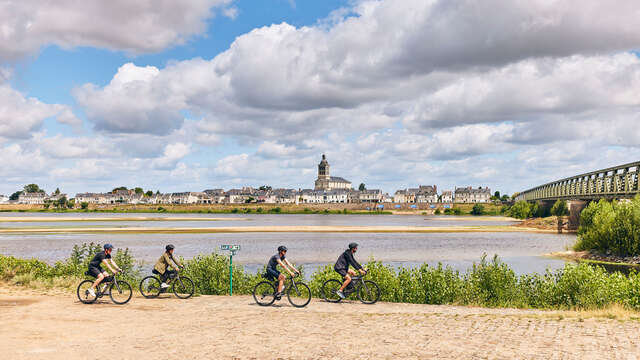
(575, 208)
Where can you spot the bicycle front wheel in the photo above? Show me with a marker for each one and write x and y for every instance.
(369, 292)
(299, 295)
(150, 287)
(183, 287)
(264, 293)
(329, 289)
(120, 292)
(83, 292)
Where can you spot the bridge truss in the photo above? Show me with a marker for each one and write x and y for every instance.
(612, 183)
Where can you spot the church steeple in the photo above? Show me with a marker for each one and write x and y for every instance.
(323, 168)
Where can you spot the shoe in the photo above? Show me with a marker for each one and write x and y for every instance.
(164, 285)
(91, 292)
(278, 296)
(340, 293)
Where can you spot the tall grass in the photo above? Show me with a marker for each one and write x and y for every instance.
(490, 282)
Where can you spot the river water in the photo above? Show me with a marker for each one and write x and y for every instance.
(522, 251)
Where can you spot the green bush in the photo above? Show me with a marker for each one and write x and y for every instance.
(437, 212)
(560, 208)
(610, 227)
(478, 209)
(520, 210)
(457, 211)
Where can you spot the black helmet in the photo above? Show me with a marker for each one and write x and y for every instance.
(169, 247)
(282, 248)
(108, 246)
(353, 246)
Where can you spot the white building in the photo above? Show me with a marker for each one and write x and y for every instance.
(470, 195)
(447, 196)
(4, 199)
(36, 198)
(369, 196)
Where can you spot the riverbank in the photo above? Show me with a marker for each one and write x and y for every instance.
(631, 262)
(114, 218)
(547, 223)
(271, 229)
(55, 325)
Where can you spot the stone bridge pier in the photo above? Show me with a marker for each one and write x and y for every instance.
(575, 208)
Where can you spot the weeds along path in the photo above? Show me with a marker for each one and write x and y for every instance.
(56, 326)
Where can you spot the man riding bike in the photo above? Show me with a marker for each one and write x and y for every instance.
(342, 267)
(103, 257)
(272, 272)
(162, 265)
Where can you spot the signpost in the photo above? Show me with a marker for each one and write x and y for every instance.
(233, 249)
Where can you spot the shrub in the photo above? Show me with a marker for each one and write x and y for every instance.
(478, 209)
(560, 208)
(520, 210)
(437, 212)
(457, 211)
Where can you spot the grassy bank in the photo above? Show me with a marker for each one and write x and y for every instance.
(488, 283)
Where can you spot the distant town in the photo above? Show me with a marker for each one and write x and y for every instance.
(327, 190)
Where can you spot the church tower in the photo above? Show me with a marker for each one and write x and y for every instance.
(323, 169)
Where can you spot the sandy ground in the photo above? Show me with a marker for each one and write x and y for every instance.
(128, 218)
(37, 326)
(252, 229)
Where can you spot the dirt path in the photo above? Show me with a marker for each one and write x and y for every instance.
(35, 326)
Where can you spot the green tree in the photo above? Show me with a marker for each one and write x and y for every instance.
(504, 198)
(149, 193)
(560, 208)
(57, 192)
(119, 188)
(33, 188)
(138, 190)
(362, 187)
(15, 195)
(520, 210)
(84, 205)
(478, 209)
(497, 194)
(265, 188)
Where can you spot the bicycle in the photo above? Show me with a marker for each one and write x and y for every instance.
(298, 293)
(182, 286)
(367, 290)
(119, 291)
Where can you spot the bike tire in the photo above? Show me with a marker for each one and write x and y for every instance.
(150, 287)
(369, 292)
(122, 292)
(183, 287)
(83, 294)
(264, 293)
(299, 295)
(329, 289)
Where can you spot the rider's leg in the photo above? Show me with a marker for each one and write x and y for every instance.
(280, 282)
(347, 280)
(98, 280)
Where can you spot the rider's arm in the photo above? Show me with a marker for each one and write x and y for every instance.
(175, 264)
(354, 263)
(116, 265)
(104, 261)
(292, 267)
(284, 266)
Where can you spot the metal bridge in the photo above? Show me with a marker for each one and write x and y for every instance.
(612, 183)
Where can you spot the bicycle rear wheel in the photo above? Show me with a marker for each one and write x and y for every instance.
(83, 292)
(369, 292)
(150, 287)
(299, 295)
(264, 293)
(183, 287)
(120, 293)
(329, 289)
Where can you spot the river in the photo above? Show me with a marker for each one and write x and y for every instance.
(522, 251)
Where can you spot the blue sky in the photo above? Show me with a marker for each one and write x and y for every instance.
(203, 94)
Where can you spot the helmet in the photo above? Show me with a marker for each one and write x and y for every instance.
(108, 246)
(282, 248)
(353, 245)
(169, 247)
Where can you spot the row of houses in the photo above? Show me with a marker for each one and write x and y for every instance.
(35, 198)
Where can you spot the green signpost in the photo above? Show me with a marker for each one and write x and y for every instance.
(233, 249)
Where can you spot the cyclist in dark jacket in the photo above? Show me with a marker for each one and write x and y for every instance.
(342, 267)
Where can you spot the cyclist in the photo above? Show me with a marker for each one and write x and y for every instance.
(162, 265)
(273, 273)
(342, 267)
(103, 257)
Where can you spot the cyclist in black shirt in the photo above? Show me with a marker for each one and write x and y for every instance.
(272, 271)
(96, 270)
(342, 267)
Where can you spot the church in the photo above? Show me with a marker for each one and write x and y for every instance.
(327, 182)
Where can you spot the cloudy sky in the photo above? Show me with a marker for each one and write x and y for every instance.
(195, 94)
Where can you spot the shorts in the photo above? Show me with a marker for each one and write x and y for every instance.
(273, 274)
(342, 272)
(95, 271)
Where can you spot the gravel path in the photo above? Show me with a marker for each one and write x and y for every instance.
(57, 326)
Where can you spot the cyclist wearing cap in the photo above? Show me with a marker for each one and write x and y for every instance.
(342, 267)
(272, 271)
(162, 265)
(103, 257)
